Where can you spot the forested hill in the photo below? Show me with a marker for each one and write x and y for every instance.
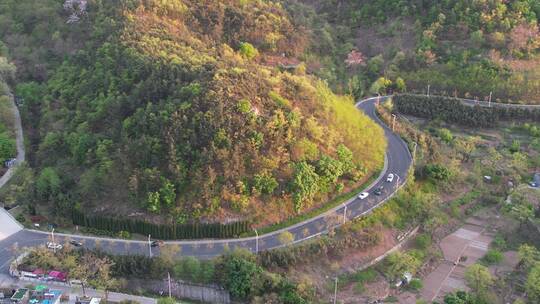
(466, 48)
(165, 107)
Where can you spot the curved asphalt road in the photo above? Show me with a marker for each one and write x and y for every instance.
(398, 161)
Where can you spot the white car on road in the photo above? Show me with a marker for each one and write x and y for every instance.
(363, 195)
(390, 177)
(54, 246)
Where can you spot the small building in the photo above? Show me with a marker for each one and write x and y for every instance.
(58, 276)
(20, 296)
(43, 295)
(40, 273)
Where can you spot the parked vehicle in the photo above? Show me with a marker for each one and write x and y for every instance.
(75, 243)
(55, 246)
(76, 282)
(390, 177)
(156, 243)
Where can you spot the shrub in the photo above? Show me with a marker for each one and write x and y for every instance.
(21, 219)
(445, 135)
(124, 234)
(280, 101)
(248, 50)
(365, 276)
(438, 172)
(416, 284)
(493, 256)
(499, 242)
(244, 106)
(423, 241)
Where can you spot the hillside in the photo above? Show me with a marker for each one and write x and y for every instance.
(460, 48)
(163, 109)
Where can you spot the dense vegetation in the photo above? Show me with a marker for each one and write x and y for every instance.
(7, 142)
(237, 271)
(461, 48)
(452, 110)
(165, 106)
(126, 226)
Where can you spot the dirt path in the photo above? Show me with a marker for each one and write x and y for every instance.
(469, 243)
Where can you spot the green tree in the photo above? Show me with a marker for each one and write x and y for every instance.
(264, 183)
(80, 272)
(398, 263)
(248, 50)
(528, 256)
(237, 271)
(346, 158)
(446, 135)
(305, 184)
(380, 85)
(8, 148)
(329, 169)
(191, 267)
(48, 183)
(167, 192)
(532, 286)
(522, 212)
(459, 297)
(478, 278)
(154, 202)
(400, 85)
(438, 172)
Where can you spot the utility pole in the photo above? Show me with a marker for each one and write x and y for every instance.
(169, 277)
(52, 240)
(344, 213)
(335, 290)
(393, 122)
(490, 95)
(256, 241)
(414, 151)
(149, 245)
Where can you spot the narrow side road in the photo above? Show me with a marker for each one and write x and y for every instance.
(398, 162)
(8, 225)
(19, 141)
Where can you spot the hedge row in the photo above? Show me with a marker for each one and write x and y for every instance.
(452, 110)
(164, 232)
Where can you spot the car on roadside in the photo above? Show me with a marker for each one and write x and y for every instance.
(363, 195)
(54, 246)
(76, 243)
(378, 191)
(156, 243)
(390, 178)
(76, 282)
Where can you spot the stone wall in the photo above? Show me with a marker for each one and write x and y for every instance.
(184, 290)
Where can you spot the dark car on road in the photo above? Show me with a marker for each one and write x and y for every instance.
(75, 243)
(378, 191)
(156, 243)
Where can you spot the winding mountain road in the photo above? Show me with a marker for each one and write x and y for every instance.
(398, 161)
